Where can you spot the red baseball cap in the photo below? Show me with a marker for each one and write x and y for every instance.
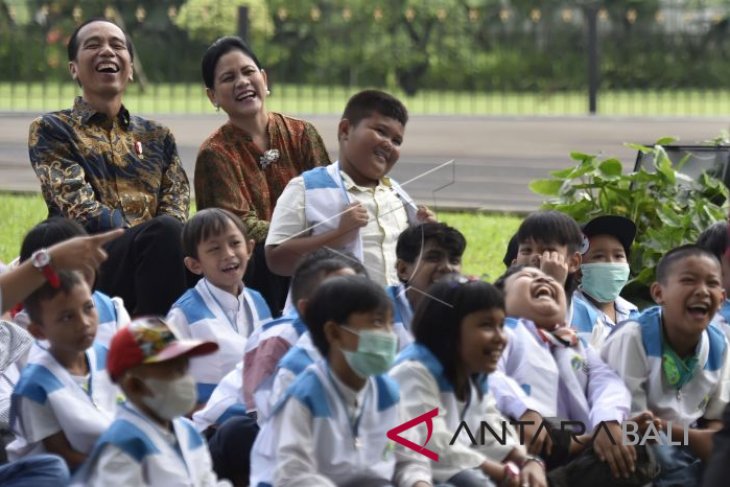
(149, 340)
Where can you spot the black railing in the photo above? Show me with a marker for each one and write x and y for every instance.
(523, 57)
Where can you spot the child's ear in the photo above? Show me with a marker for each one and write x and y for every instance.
(250, 246)
(403, 270)
(132, 385)
(193, 265)
(332, 333)
(656, 292)
(302, 306)
(574, 262)
(36, 330)
(343, 130)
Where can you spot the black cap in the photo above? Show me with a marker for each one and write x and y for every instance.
(617, 226)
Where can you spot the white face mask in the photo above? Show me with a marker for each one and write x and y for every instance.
(171, 398)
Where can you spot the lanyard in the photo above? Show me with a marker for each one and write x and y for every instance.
(353, 422)
(234, 324)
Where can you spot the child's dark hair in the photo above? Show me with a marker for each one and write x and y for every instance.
(217, 50)
(336, 299)
(412, 240)
(367, 102)
(48, 233)
(551, 227)
(207, 223)
(437, 320)
(313, 267)
(714, 239)
(511, 253)
(664, 267)
(73, 43)
(502, 280)
(67, 281)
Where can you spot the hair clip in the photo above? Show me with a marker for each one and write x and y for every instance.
(269, 157)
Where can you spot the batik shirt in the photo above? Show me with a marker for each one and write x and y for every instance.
(229, 173)
(107, 178)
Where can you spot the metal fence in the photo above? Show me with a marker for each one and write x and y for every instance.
(518, 57)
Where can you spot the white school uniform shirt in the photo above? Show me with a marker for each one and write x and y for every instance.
(722, 318)
(264, 348)
(136, 451)
(570, 383)
(294, 362)
(402, 315)
(206, 312)
(47, 399)
(224, 403)
(634, 350)
(311, 204)
(325, 434)
(592, 324)
(424, 387)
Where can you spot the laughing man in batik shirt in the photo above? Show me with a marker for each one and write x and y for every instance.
(107, 169)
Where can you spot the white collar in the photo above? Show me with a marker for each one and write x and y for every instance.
(225, 300)
(354, 399)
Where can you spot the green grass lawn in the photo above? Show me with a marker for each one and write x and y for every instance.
(190, 98)
(487, 235)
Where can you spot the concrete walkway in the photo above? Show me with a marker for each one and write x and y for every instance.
(494, 158)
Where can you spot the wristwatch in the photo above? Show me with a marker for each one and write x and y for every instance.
(41, 260)
(511, 472)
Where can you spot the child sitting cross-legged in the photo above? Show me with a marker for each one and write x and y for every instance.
(352, 204)
(604, 271)
(547, 373)
(425, 253)
(330, 428)
(111, 310)
(220, 307)
(149, 442)
(458, 341)
(675, 363)
(273, 341)
(551, 241)
(64, 399)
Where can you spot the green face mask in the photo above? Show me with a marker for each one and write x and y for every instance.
(603, 281)
(375, 352)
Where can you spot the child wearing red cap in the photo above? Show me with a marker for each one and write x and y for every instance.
(149, 442)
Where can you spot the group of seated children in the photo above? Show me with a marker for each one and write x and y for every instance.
(536, 380)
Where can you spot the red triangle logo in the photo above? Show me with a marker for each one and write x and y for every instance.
(427, 418)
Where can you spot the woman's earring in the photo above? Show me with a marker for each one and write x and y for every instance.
(217, 107)
(268, 91)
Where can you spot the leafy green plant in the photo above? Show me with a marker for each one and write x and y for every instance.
(668, 207)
